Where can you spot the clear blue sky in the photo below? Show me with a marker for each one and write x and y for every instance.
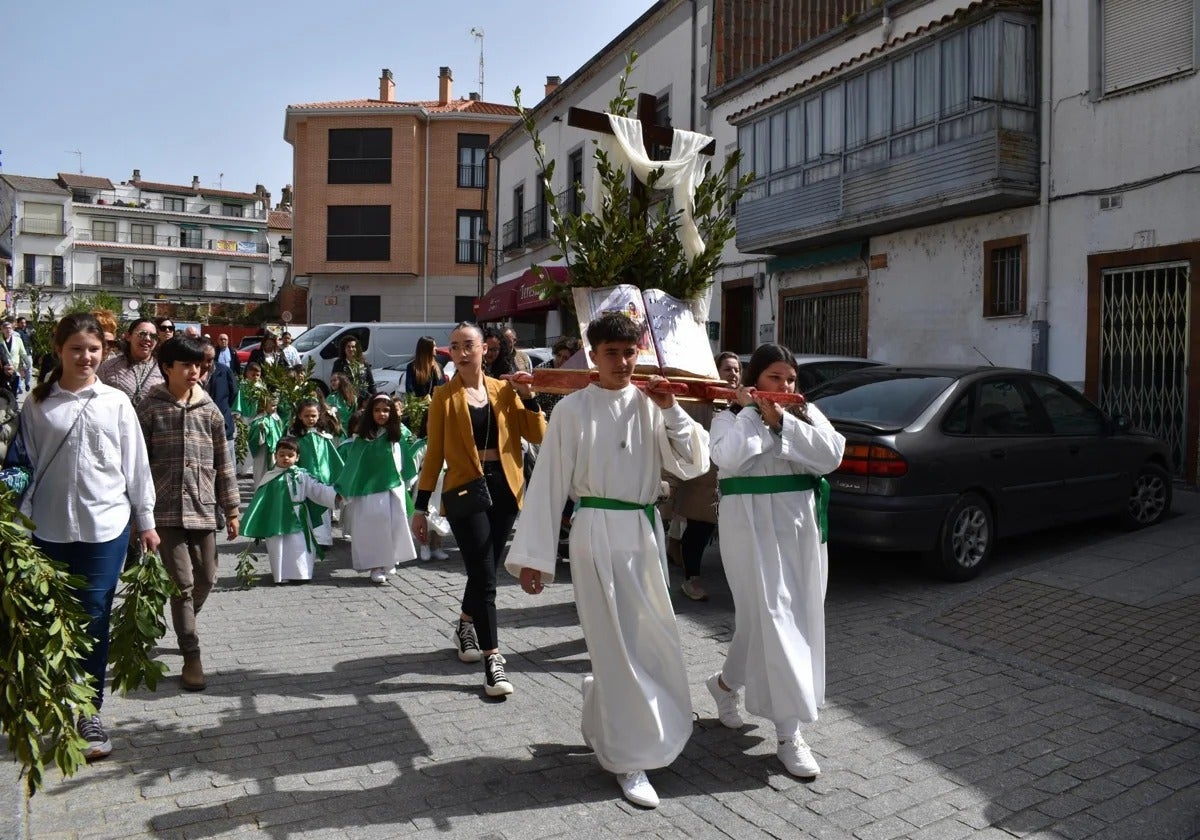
(179, 89)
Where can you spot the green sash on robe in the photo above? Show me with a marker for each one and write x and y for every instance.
(249, 395)
(320, 458)
(265, 432)
(273, 513)
(371, 468)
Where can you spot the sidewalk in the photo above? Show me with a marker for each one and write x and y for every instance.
(1055, 697)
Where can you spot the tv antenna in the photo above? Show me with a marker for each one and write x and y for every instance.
(79, 155)
(477, 32)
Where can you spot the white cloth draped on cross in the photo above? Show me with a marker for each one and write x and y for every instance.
(682, 173)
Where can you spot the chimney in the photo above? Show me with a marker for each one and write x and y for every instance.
(387, 86)
(195, 182)
(137, 176)
(445, 84)
(473, 96)
(552, 83)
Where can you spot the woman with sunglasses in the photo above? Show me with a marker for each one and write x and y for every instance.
(135, 371)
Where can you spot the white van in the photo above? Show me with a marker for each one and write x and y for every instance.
(387, 346)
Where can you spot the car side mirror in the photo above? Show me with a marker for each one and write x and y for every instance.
(1121, 423)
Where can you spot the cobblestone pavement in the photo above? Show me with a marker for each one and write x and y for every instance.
(1054, 697)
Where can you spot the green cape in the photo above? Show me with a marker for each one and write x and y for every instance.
(371, 468)
(265, 432)
(272, 512)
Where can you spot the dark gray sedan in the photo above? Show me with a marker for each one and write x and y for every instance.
(944, 460)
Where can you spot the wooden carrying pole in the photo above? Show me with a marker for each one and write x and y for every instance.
(566, 381)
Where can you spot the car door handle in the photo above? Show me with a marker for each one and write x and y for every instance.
(998, 453)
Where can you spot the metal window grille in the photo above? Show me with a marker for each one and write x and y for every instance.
(829, 323)
(1004, 293)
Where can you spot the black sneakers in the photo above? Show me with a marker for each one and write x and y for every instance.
(496, 682)
(92, 731)
(466, 641)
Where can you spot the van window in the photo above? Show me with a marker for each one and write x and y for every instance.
(311, 339)
(334, 348)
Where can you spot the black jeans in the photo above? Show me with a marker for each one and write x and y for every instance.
(696, 537)
(481, 538)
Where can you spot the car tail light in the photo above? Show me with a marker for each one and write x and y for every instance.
(872, 460)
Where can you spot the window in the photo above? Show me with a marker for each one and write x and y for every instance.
(1068, 412)
(45, 219)
(365, 308)
(468, 248)
(575, 183)
(360, 156)
(285, 246)
(190, 237)
(173, 204)
(237, 278)
(361, 232)
(233, 210)
(104, 231)
(191, 276)
(1145, 40)
(464, 308)
(1004, 277)
(1002, 410)
(145, 273)
(141, 234)
(662, 116)
(828, 322)
(472, 160)
(29, 269)
(112, 271)
(57, 275)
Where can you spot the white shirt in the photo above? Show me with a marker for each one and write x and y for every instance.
(99, 477)
(291, 356)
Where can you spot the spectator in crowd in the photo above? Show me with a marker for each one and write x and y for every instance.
(227, 356)
(136, 371)
(166, 329)
(291, 356)
(423, 373)
(108, 323)
(522, 358)
(561, 353)
(14, 357)
(22, 329)
(351, 364)
(505, 361)
(491, 349)
(84, 506)
(267, 352)
(222, 387)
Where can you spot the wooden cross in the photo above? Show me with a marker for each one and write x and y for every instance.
(653, 134)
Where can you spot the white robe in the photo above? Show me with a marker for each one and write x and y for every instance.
(776, 565)
(379, 522)
(288, 554)
(615, 444)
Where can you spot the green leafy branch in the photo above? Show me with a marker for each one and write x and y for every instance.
(247, 575)
(634, 240)
(43, 640)
(138, 624)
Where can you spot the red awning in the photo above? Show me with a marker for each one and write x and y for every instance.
(498, 303)
(527, 296)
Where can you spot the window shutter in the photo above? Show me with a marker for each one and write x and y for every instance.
(1144, 40)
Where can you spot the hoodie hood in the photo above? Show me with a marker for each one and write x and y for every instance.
(160, 393)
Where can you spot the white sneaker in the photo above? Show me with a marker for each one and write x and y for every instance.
(465, 641)
(495, 679)
(586, 685)
(423, 552)
(378, 576)
(438, 554)
(798, 758)
(727, 703)
(637, 789)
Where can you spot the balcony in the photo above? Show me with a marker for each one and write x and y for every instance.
(191, 283)
(43, 227)
(189, 205)
(534, 225)
(469, 251)
(510, 238)
(185, 242)
(472, 175)
(43, 277)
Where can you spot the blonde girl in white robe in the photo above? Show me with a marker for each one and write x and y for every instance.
(774, 555)
(610, 442)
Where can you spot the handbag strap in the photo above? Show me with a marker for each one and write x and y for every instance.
(40, 468)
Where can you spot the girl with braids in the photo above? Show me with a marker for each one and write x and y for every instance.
(378, 463)
(770, 466)
(91, 485)
(318, 457)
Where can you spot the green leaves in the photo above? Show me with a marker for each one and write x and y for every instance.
(247, 575)
(631, 240)
(415, 409)
(43, 637)
(138, 624)
(241, 439)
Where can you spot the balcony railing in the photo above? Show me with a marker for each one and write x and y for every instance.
(43, 277)
(472, 175)
(511, 235)
(469, 251)
(43, 227)
(191, 283)
(569, 202)
(534, 226)
(194, 206)
(145, 281)
(175, 241)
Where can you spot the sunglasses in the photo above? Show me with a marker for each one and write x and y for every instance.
(167, 328)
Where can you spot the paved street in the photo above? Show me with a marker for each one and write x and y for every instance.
(1056, 697)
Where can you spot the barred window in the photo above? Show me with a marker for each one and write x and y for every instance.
(1004, 272)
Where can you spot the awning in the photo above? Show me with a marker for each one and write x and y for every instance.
(499, 302)
(527, 296)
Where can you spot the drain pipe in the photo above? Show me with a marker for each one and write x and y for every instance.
(1040, 350)
(425, 257)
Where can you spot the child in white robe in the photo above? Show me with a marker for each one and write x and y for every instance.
(377, 505)
(605, 448)
(770, 464)
(278, 514)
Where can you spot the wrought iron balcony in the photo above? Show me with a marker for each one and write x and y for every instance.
(472, 175)
(535, 227)
(185, 241)
(169, 204)
(511, 235)
(469, 251)
(43, 227)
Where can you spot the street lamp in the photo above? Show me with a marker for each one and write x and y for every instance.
(484, 238)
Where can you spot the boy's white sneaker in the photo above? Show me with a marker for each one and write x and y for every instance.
(378, 576)
(727, 703)
(438, 554)
(798, 758)
(423, 552)
(637, 789)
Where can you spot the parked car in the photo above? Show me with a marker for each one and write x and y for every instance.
(812, 368)
(945, 460)
(383, 344)
(249, 345)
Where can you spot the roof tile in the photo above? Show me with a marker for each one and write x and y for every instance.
(457, 106)
(89, 182)
(279, 220)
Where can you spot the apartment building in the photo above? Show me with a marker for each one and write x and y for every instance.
(981, 182)
(390, 203)
(154, 243)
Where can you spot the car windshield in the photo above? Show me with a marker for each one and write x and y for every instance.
(314, 337)
(885, 400)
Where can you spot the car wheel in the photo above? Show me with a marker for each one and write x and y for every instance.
(1149, 498)
(966, 540)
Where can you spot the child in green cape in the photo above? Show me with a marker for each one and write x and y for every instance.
(263, 434)
(319, 457)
